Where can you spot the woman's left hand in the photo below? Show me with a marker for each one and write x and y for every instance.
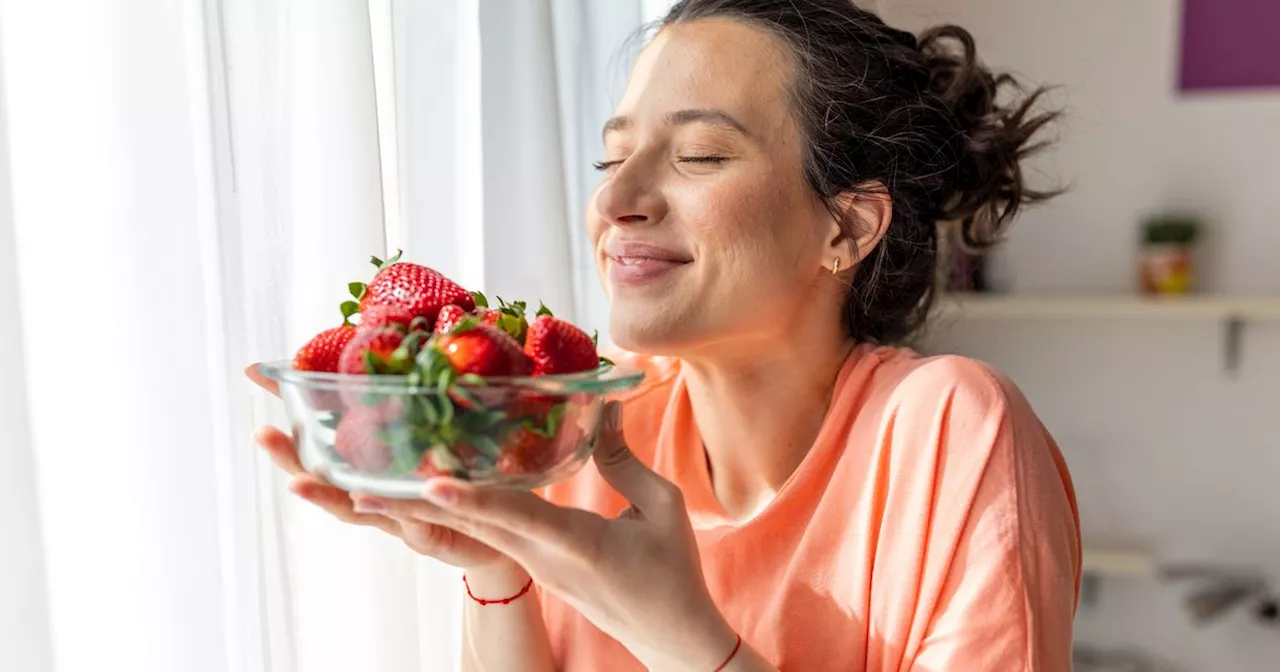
(637, 577)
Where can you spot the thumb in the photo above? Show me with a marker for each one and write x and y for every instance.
(647, 492)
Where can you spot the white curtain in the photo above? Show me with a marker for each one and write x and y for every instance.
(186, 187)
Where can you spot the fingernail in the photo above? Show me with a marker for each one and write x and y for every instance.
(615, 417)
(440, 493)
(370, 505)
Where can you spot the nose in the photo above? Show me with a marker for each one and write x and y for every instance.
(631, 196)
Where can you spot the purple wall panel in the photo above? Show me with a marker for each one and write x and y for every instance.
(1230, 44)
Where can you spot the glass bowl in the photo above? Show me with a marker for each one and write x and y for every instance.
(381, 435)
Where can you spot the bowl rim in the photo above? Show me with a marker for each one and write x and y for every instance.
(606, 379)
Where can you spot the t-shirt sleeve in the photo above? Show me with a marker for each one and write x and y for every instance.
(1005, 585)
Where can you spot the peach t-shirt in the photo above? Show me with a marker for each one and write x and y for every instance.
(932, 526)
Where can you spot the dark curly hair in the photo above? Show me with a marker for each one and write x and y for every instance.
(921, 116)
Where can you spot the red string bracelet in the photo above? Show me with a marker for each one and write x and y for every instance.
(732, 653)
(505, 600)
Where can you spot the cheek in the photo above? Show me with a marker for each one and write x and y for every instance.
(752, 230)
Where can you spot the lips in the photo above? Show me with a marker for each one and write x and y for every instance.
(636, 263)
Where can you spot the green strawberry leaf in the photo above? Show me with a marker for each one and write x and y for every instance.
(542, 310)
(373, 363)
(349, 308)
(486, 445)
(480, 299)
(472, 379)
(357, 289)
(595, 337)
(380, 264)
(605, 361)
(555, 417)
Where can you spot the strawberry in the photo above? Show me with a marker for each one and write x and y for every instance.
(378, 350)
(482, 350)
(531, 446)
(451, 316)
(322, 352)
(388, 315)
(525, 452)
(358, 438)
(556, 346)
(411, 287)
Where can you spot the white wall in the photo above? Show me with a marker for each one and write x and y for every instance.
(1167, 450)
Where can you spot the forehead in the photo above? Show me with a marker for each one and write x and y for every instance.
(714, 64)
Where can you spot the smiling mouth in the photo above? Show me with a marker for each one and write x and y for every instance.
(640, 270)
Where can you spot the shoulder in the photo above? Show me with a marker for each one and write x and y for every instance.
(911, 382)
(955, 406)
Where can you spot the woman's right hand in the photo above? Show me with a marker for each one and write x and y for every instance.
(441, 543)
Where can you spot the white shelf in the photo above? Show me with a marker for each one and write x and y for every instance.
(1019, 306)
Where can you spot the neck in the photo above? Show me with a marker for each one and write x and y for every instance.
(759, 410)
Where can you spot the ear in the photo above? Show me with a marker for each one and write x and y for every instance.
(866, 211)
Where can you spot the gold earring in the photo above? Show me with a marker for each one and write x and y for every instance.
(835, 266)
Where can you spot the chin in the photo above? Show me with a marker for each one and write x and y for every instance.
(649, 333)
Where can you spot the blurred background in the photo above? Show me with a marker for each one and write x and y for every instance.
(187, 186)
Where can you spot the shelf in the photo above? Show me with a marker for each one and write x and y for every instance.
(1017, 306)
(1234, 312)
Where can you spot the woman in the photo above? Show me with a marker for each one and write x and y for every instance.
(788, 490)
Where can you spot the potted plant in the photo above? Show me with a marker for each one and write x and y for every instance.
(1166, 258)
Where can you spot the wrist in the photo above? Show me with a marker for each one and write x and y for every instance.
(496, 581)
(702, 646)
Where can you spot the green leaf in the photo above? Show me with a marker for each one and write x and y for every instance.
(466, 396)
(446, 379)
(605, 361)
(555, 417)
(429, 410)
(420, 323)
(446, 408)
(480, 299)
(595, 337)
(472, 379)
(377, 263)
(542, 310)
(357, 289)
(373, 363)
(486, 445)
(349, 308)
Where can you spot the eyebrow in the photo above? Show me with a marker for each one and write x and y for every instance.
(683, 118)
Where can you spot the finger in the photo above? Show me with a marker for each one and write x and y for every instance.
(337, 503)
(254, 372)
(281, 449)
(646, 491)
(416, 511)
(520, 513)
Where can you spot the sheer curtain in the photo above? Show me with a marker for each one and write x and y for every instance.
(186, 187)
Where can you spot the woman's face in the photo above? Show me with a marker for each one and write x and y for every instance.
(705, 232)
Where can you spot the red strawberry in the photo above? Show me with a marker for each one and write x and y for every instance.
(382, 345)
(357, 438)
(390, 316)
(484, 351)
(525, 452)
(556, 346)
(417, 289)
(449, 318)
(323, 352)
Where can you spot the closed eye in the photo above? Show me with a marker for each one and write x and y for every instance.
(702, 159)
(606, 165)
